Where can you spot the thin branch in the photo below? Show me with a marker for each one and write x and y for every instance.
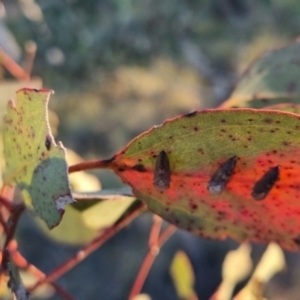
(12, 66)
(3, 224)
(6, 203)
(88, 249)
(30, 52)
(148, 262)
(155, 230)
(63, 293)
(21, 262)
(90, 165)
(12, 223)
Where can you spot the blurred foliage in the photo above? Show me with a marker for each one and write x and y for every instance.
(183, 276)
(148, 60)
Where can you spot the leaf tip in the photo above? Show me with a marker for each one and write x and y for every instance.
(25, 90)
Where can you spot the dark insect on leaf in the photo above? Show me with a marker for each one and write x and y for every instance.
(162, 172)
(221, 177)
(48, 142)
(264, 185)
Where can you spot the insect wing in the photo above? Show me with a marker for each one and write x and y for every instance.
(162, 172)
(222, 175)
(264, 185)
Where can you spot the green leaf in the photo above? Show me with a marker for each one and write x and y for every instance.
(8, 88)
(108, 206)
(107, 212)
(196, 145)
(71, 230)
(91, 213)
(183, 275)
(274, 75)
(33, 160)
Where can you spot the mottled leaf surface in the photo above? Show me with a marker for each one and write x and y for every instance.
(33, 160)
(196, 145)
(274, 75)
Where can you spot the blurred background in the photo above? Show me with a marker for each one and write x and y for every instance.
(118, 67)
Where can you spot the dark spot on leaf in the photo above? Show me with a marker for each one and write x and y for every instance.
(190, 114)
(200, 150)
(221, 176)
(139, 168)
(268, 121)
(297, 241)
(194, 206)
(162, 172)
(196, 128)
(48, 142)
(250, 120)
(223, 121)
(264, 185)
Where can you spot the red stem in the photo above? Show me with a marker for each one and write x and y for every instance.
(22, 263)
(2, 222)
(88, 249)
(89, 165)
(6, 203)
(148, 262)
(155, 230)
(12, 66)
(60, 291)
(13, 222)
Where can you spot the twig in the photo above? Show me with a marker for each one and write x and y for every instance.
(148, 262)
(6, 203)
(22, 263)
(30, 51)
(12, 66)
(11, 227)
(155, 230)
(60, 291)
(89, 165)
(3, 224)
(88, 249)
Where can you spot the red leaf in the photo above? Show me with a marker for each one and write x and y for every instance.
(197, 145)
